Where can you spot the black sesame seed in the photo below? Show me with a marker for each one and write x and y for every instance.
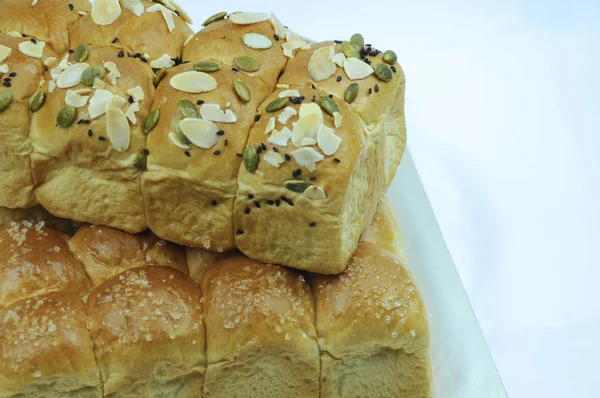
(373, 53)
(312, 224)
(199, 102)
(23, 34)
(370, 91)
(7, 79)
(330, 95)
(258, 150)
(146, 152)
(250, 196)
(256, 118)
(377, 88)
(247, 210)
(144, 59)
(336, 160)
(339, 79)
(240, 231)
(312, 178)
(288, 201)
(177, 12)
(220, 132)
(137, 55)
(239, 155)
(131, 99)
(71, 7)
(101, 138)
(338, 41)
(277, 202)
(235, 69)
(287, 157)
(90, 132)
(276, 37)
(314, 98)
(297, 100)
(12, 74)
(6, 84)
(393, 68)
(217, 152)
(263, 146)
(275, 149)
(33, 40)
(313, 87)
(257, 204)
(270, 202)
(226, 142)
(85, 121)
(296, 173)
(79, 121)
(115, 40)
(214, 202)
(368, 61)
(187, 153)
(121, 54)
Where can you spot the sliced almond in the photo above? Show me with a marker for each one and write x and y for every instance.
(175, 140)
(190, 37)
(168, 17)
(307, 157)
(248, 18)
(116, 102)
(280, 138)
(201, 133)
(257, 41)
(311, 108)
(306, 47)
(278, 27)
(356, 69)
(42, 81)
(213, 113)
(193, 82)
(338, 59)
(130, 112)
(105, 12)
(286, 115)
(75, 98)
(14, 33)
(34, 2)
(270, 125)
(117, 129)
(320, 66)
(51, 86)
(184, 15)
(50, 61)
(307, 141)
(289, 93)
(113, 72)
(164, 61)
(137, 93)
(290, 46)
(4, 52)
(273, 158)
(4, 68)
(98, 103)
(71, 76)
(98, 84)
(306, 127)
(284, 86)
(337, 120)
(315, 192)
(31, 49)
(327, 140)
(135, 6)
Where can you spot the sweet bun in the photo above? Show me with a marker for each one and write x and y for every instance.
(90, 170)
(147, 34)
(384, 230)
(105, 252)
(371, 322)
(46, 349)
(200, 260)
(260, 332)
(21, 75)
(148, 333)
(34, 215)
(34, 260)
(45, 20)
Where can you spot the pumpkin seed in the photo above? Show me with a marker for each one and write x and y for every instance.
(151, 120)
(215, 18)
(140, 162)
(5, 98)
(390, 57)
(206, 67)
(250, 159)
(351, 93)
(247, 63)
(358, 40)
(242, 90)
(66, 116)
(277, 104)
(182, 137)
(297, 185)
(82, 53)
(187, 109)
(37, 102)
(159, 76)
(90, 73)
(328, 104)
(383, 72)
(350, 51)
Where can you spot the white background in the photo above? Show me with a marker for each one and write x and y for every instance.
(502, 108)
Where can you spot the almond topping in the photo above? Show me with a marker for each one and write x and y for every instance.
(278, 27)
(71, 76)
(99, 84)
(117, 129)
(105, 12)
(193, 82)
(315, 192)
(339, 59)
(135, 6)
(280, 138)
(75, 99)
(130, 112)
(328, 141)
(286, 115)
(289, 93)
(137, 93)
(307, 157)
(257, 41)
(320, 66)
(247, 18)
(273, 158)
(337, 120)
(4, 68)
(4, 52)
(201, 133)
(175, 140)
(270, 125)
(213, 113)
(356, 69)
(164, 61)
(31, 49)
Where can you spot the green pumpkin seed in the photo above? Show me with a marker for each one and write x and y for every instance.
(215, 18)
(277, 104)
(5, 98)
(90, 73)
(383, 72)
(66, 116)
(358, 40)
(242, 90)
(351, 93)
(182, 137)
(151, 120)
(250, 159)
(247, 63)
(159, 76)
(297, 185)
(82, 53)
(37, 102)
(187, 109)
(328, 104)
(206, 67)
(140, 162)
(350, 51)
(390, 57)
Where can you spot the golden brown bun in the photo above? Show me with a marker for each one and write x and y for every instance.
(200, 188)
(317, 235)
(371, 322)
(46, 349)
(384, 230)
(34, 215)
(47, 21)
(106, 252)
(146, 34)
(16, 184)
(35, 260)
(259, 331)
(200, 260)
(382, 111)
(80, 177)
(148, 333)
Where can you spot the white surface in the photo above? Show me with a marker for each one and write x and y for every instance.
(502, 108)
